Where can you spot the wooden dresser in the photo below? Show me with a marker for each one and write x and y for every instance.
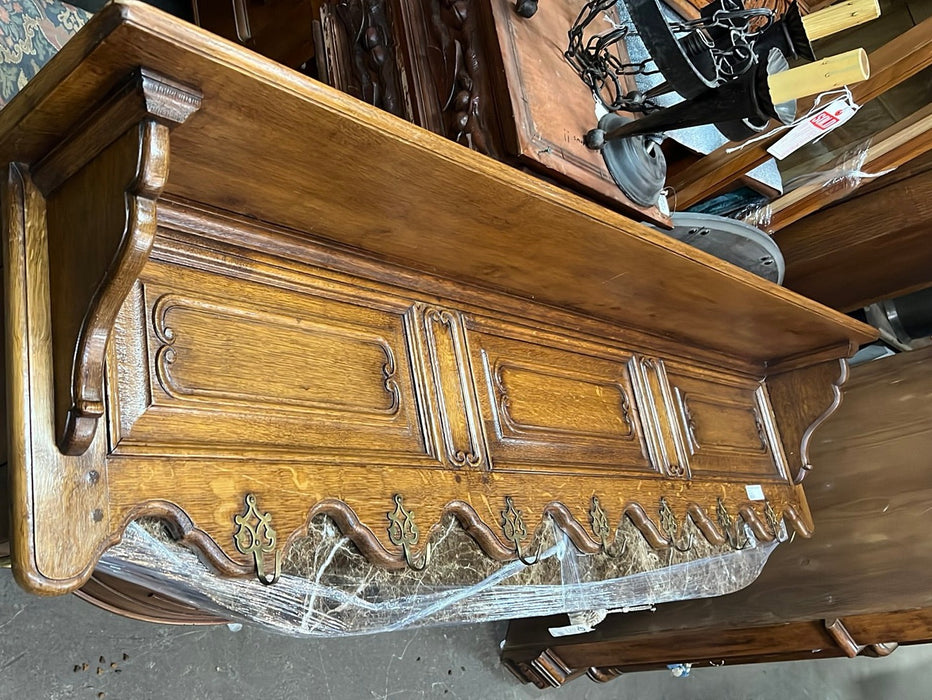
(236, 298)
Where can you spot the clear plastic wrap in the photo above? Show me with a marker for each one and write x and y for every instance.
(833, 181)
(328, 589)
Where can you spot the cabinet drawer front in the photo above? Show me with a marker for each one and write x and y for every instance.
(551, 405)
(240, 366)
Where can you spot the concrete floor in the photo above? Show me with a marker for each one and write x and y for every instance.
(55, 648)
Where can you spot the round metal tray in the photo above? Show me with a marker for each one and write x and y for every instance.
(735, 241)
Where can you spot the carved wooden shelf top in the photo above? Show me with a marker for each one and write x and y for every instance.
(297, 153)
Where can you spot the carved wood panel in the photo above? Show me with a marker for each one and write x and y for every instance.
(728, 426)
(360, 53)
(225, 366)
(258, 338)
(329, 382)
(553, 407)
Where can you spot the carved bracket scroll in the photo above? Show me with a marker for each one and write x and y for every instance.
(802, 400)
(101, 186)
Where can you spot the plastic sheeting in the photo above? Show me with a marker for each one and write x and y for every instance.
(835, 179)
(328, 589)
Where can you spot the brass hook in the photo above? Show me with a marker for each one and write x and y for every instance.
(524, 560)
(403, 532)
(260, 573)
(730, 527)
(254, 535)
(600, 526)
(670, 528)
(425, 560)
(772, 521)
(515, 532)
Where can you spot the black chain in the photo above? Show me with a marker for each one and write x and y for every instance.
(598, 65)
(732, 30)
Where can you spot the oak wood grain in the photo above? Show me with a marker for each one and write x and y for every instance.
(114, 197)
(810, 395)
(101, 183)
(884, 256)
(333, 312)
(524, 236)
(50, 493)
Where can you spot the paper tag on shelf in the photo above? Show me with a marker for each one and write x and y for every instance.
(580, 623)
(569, 630)
(755, 492)
(830, 117)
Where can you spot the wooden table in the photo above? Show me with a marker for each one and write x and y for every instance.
(236, 298)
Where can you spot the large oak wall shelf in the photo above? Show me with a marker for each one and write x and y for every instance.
(236, 298)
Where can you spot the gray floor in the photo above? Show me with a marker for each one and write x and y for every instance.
(64, 648)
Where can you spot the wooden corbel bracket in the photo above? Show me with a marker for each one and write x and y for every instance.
(101, 186)
(803, 399)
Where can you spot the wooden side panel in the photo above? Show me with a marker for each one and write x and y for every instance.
(85, 298)
(802, 400)
(50, 493)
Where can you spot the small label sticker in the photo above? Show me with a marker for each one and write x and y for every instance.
(808, 130)
(755, 492)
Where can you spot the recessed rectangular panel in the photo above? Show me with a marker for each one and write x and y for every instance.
(593, 406)
(231, 373)
(728, 428)
(554, 404)
(217, 352)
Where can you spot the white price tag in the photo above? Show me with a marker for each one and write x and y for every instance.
(580, 623)
(807, 131)
(755, 492)
(569, 630)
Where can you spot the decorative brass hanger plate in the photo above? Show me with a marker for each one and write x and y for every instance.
(254, 535)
